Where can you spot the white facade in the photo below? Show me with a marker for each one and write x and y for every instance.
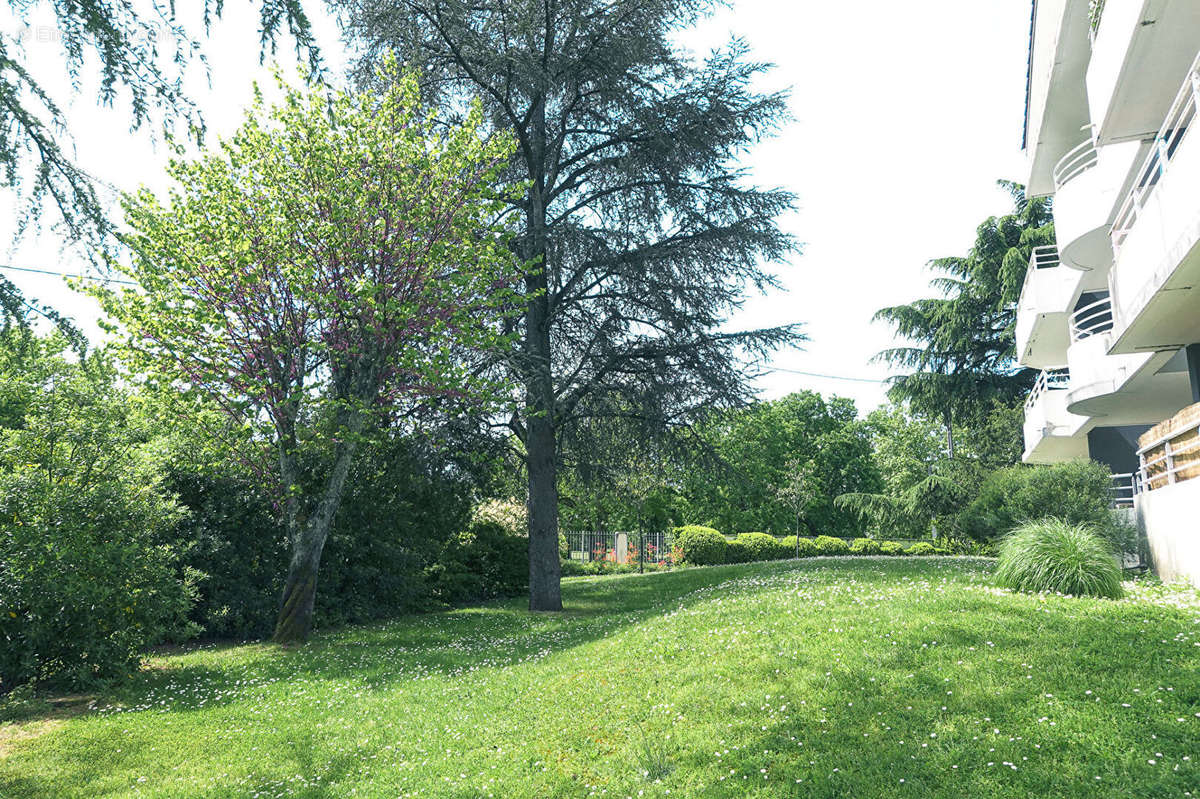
(1111, 134)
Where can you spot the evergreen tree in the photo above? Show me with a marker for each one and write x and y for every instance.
(645, 231)
(963, 355)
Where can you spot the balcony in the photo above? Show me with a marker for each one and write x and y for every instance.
(1090, 183)
(1141, 50)
(1056, 103)
(1042, 311)
(1156, 237)
(1052, 434)
(1092, 319)
(1118, 389)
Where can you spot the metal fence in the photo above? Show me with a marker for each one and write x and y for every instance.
(617, 546)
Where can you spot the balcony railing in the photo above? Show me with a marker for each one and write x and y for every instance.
(1092, 319)
(1044, 257)
(1173, 458)
(1172, 133)
(1077, 161)
(1125, 487)
(1048, 380)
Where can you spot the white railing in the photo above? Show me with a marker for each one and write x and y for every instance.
(1077, 161)
(1125, 487)
(1165, 469)
(1092, 319)
(1172, 133)
(1044, 257)
(1048, 380)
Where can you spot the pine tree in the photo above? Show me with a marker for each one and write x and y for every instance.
(645, 230)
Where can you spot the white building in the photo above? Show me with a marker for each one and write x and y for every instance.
(1112, 313)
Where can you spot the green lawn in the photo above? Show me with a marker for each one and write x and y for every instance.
(818, 678)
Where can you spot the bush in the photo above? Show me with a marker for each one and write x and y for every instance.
(763, 546)
(1078, 492)
(1055, 555)
(806, 549)
(864, 546)
(738, 551)
(891, 548)
(828, 545)
(84, 588)
(921, 548)
(398, 512)
(699, 546)
(85, 582)
(484, 562)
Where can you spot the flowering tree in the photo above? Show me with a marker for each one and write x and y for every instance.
(334, 261)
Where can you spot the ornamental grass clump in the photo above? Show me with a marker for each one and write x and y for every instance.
(1053, 555)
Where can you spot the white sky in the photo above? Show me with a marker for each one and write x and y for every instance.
(905, 116)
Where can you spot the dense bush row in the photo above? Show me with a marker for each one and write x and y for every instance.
(704, 546)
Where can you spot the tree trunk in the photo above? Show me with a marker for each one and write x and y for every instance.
(541, 445)
(545, 572)
(308, 542)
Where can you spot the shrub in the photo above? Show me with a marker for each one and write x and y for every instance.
(738, 551)
(510, 514)
(891, 548)
(84, 588)
(763, 546)
(1078, 492)
(921, 548)
(484, 562)
(699, 546)
(806, 549)
(1055, 555)
(864, 546)
(828, 545)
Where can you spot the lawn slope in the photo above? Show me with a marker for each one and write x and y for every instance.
(819, 678)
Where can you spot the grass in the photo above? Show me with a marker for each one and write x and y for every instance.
(1055, 555)
(855, 677)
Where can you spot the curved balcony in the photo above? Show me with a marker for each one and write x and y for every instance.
(1090, 183)
(1052, 434)
(1092, 319)
(1046, 297)
(1079, 159)
(1121, 389)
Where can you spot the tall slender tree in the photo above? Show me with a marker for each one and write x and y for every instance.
(963, 355)
(644, 228)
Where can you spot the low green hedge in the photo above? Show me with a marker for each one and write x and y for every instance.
(699, 546)
(864, 546)
(805, 549)
(828, 545)
(760, 546)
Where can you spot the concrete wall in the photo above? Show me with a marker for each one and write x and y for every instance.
(1116, 447)
(1170, 517)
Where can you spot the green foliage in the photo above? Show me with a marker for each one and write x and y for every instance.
(828, 545)
(773, 459)
(865, 546)
(763, 546)
(484, 562)
(921, 548)
(1078, 492)
(1056, 555)
(699, 546)
(85, 582)
(963, 356)
(401, 507)
(737, 551)
(891, 548)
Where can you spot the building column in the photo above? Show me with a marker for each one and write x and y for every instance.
(1193, 364)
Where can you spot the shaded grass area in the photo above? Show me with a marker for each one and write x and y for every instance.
(815, 678)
